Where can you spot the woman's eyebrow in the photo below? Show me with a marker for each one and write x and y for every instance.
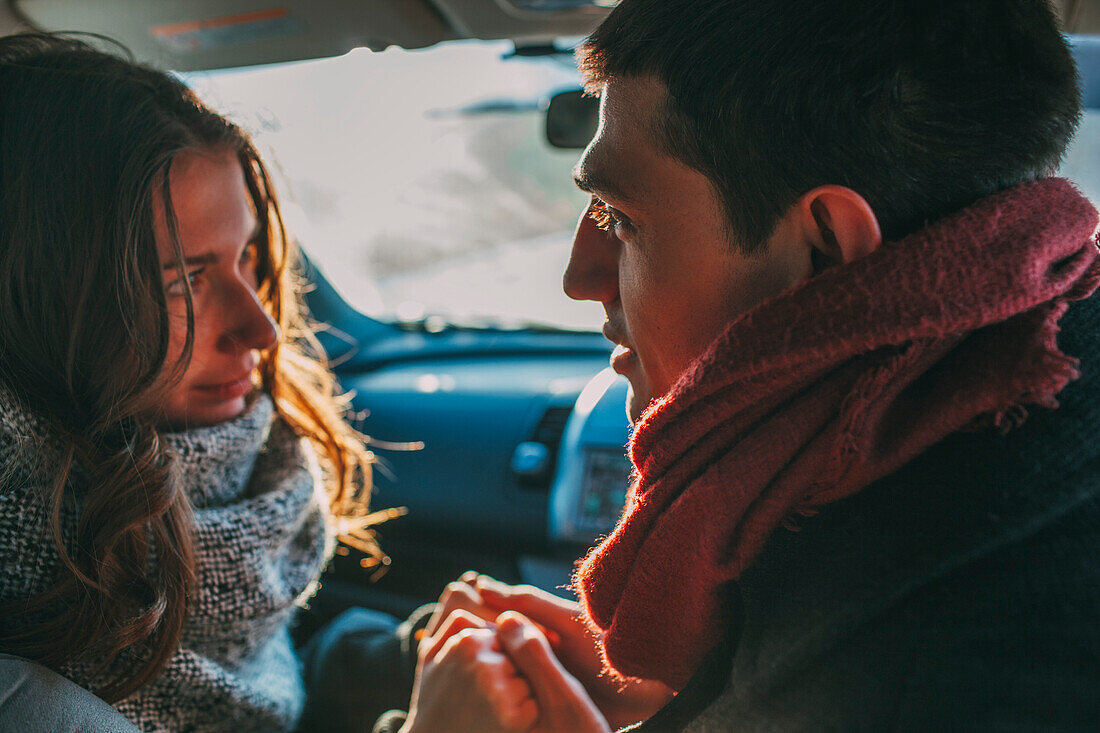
(210, 258)
(206, 258)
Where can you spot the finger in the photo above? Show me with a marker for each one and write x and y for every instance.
(556, 691)
(512, 696)
(526, 714)
(477, 652)
(538, 605)
(520, 711)
(458, 596)
(474, 646)
(454, 624)
(516, 687)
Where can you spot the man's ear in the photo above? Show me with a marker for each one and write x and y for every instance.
(839, 224)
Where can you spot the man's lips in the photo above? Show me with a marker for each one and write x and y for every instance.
(613, 334)
(623, 357)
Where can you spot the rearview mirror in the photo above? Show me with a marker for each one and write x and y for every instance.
(571, 119)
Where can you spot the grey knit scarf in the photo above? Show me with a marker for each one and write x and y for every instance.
(261, 542)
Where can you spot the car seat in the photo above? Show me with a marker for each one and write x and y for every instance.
(34, 699)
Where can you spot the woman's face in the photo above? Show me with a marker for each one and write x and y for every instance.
(217, 232)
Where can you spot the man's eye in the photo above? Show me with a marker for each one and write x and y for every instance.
(606, 217)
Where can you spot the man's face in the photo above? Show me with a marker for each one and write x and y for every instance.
(662, 264)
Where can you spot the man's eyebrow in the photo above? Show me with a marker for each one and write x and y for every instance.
(206, 258)
(595, 183)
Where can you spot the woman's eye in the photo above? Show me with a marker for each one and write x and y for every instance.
(249, 254)
(176, 287)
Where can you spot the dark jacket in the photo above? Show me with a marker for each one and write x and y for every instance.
(960, 593)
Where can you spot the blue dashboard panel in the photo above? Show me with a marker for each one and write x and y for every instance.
(471, 413)
(492, 408)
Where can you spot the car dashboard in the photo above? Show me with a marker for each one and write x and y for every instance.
(506, 448)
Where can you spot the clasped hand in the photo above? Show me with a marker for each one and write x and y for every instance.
(514, 658)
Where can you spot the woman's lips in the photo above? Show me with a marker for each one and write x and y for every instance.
(227, 390)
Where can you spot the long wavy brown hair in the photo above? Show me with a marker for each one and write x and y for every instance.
(87, 138)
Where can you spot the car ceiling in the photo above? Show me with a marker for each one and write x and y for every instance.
(209, 34)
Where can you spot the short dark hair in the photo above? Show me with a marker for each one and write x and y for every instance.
(921, 106)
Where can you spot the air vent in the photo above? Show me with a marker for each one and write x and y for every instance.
(551, 426)
(547, 433)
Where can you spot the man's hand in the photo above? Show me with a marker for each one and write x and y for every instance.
(560, 622)
(465, 683)
(563, 704)
(461, 595)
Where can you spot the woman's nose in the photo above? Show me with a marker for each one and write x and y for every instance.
(593, 269)
(249, 325)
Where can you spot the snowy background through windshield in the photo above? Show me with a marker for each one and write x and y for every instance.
(421, 181)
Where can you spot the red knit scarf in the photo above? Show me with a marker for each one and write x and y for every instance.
(814, 394)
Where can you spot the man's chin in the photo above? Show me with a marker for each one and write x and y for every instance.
(635, 405)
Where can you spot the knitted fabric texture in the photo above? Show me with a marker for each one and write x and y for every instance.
(814, 394)
(260, 542)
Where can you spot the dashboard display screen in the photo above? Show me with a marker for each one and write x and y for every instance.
(603, 491)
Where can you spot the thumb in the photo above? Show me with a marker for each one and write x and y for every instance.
(559, 617)
(541, 607)
(563, 702)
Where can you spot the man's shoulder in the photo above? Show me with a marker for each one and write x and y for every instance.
(962, 588)
(976, 566)
(1005, 641)
(933, 626)
(965, 498)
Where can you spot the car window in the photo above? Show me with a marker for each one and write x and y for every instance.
(1082, 161)
(421, 181)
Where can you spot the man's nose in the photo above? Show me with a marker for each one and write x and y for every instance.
(249, 326)
(593, 269)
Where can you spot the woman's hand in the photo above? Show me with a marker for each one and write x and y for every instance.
(621, 703)
(464, 682)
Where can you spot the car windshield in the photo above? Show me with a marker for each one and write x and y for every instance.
(421, 182)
